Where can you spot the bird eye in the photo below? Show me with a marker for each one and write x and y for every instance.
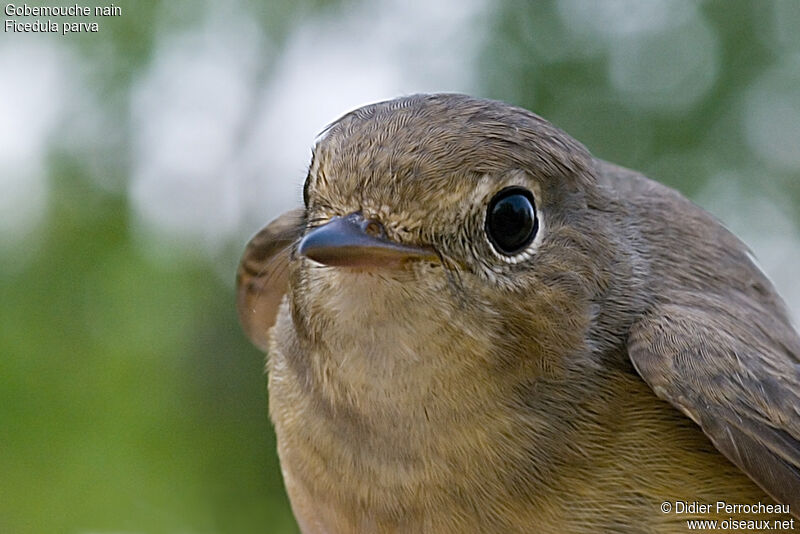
(511, 222)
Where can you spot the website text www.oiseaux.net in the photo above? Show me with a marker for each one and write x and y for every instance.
(756, 524)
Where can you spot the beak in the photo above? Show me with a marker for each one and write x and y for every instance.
(353, 241)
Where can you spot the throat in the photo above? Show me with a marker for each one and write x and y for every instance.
(386, 374)
(381, 346)
(377, 414)
(391, 372)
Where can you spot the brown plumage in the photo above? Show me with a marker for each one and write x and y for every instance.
(424, 377)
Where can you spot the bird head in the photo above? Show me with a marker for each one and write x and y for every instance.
(446, 216)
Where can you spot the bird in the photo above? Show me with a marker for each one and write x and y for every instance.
(474, 325)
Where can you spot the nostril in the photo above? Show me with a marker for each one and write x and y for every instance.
(373, 228)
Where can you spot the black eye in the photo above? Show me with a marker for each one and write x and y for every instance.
(511, 222)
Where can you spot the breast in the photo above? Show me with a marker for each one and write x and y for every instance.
(366, 416)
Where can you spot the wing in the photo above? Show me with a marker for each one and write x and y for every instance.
(734, 368)
(262, 277)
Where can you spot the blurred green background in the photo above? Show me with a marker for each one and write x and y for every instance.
(136, 161)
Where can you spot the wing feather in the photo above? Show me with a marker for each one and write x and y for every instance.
(262, 277)
(738, 379)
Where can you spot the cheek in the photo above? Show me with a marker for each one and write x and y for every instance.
(558, 318)
(542, 325)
